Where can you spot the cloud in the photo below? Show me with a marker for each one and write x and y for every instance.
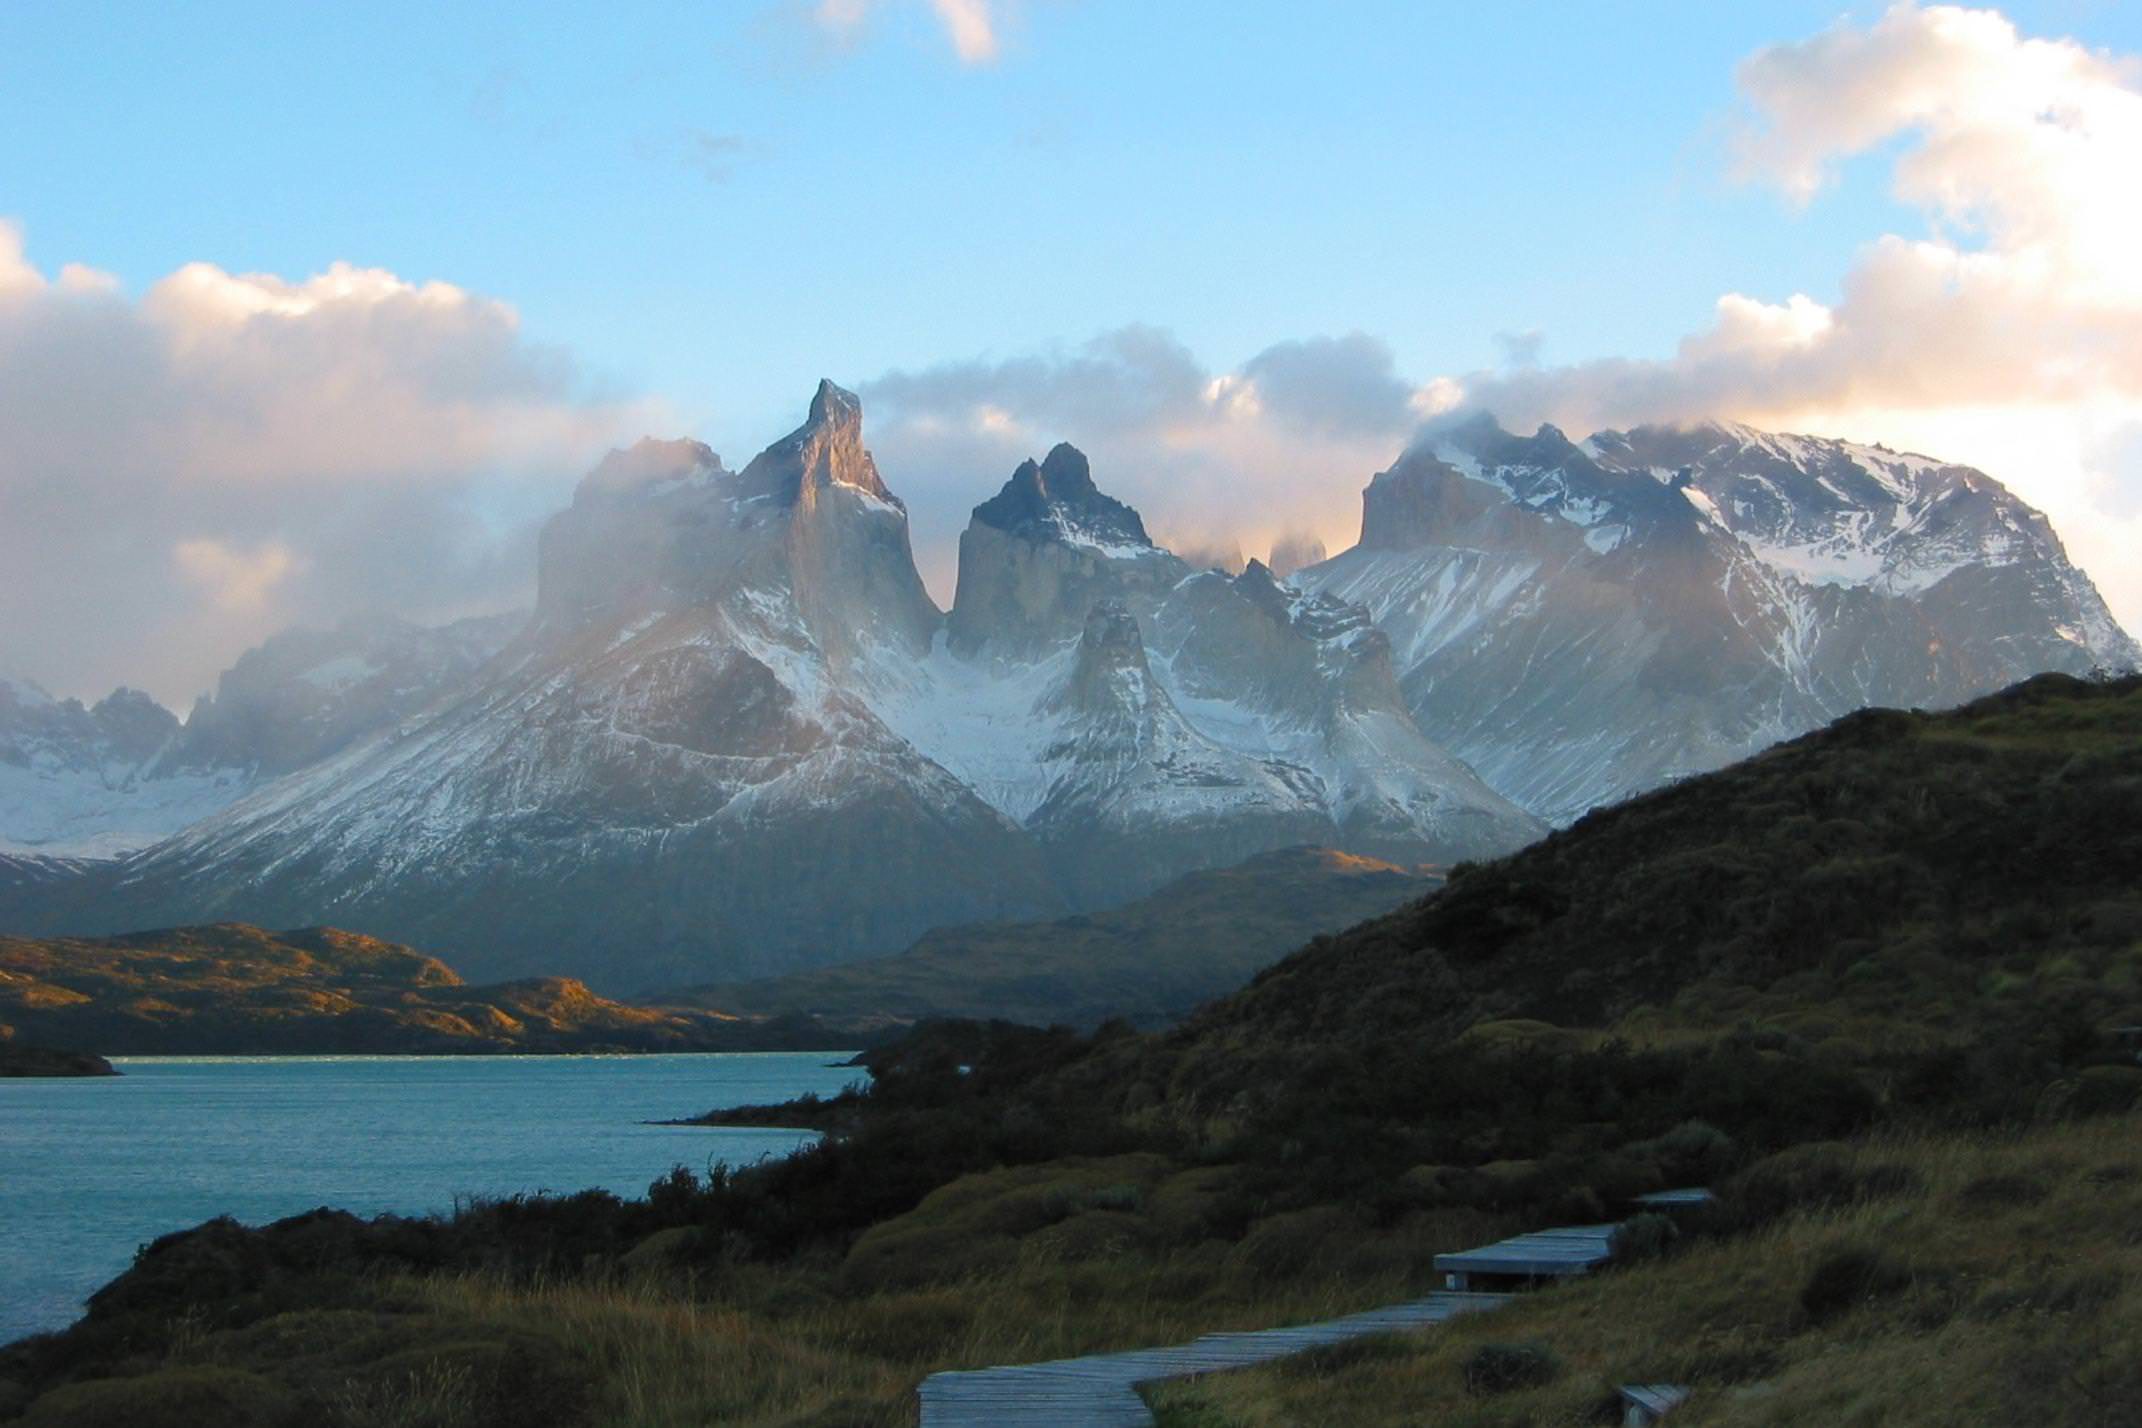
(2007, 334)
(237, 581)
(972, 31)
(970, 25)
(1276, 448)
(184, 472)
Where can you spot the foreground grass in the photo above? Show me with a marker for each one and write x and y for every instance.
(1001, 1268)
(1959, 1281)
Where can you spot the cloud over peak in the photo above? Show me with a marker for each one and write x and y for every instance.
(231, 452)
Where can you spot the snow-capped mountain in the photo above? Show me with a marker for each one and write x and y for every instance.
(737, 738)
(108, 779)
(1143, 719)
(77, 781)
(1584, 621)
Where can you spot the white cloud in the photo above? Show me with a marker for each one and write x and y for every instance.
(1275, 449)
(2008, 334)
(183, 473)
(971, 28)
(970, 25)
(239, 582)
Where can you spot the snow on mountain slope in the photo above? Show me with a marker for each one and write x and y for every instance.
(1143, 719)
(736, 738)
(669, 770)
(1581, 622)
(107, 780)
(77, 782)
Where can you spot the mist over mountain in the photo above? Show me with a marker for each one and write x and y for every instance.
(1583, 621)
(108, 779)
(737, 739)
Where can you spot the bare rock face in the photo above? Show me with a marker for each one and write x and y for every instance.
(670, 769)
(1144, 719)
(1583, 621)
(1042, 552)
(1133, 787)
(737, 739)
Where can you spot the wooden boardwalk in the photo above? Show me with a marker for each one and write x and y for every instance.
(1101, 1390)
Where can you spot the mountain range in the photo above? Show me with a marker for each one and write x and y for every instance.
(737, 739)
(1581, 621)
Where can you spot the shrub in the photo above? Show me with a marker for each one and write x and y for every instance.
(174, 1398)
(1331, 1358)
(2000, 1192)
(1846, 1277)
(1503, 1368)
(1810, 1177)
(1645, 1236)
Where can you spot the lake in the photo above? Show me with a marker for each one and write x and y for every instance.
(91, 1168)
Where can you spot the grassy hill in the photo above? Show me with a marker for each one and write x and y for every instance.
(232, 989)
(1147, 962)
(1937, 915)
(1871, 985)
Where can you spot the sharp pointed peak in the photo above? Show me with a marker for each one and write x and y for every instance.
(1055, 498)
(826, 450)
(833, 404)
(1066, 472)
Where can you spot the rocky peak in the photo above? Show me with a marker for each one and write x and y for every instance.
(22, 693)
(835, 406)
(1111, 678)
(648, 464)
(136, 725)
(1111, 636)
(1420, 500)
(827, 450)
(1055, 499)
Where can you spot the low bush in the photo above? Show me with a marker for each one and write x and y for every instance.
(1848, 1276)
(1504, 1368)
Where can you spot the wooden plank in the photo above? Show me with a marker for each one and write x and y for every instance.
(1101, 1390)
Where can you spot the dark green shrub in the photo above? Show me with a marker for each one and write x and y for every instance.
(1646, 1236)
(2002, 1192)
(1849, 1276)
(1504, 1368)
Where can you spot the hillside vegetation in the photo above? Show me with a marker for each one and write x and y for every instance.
(1147, 962)
(1872, 985)
(232, 989)
(1940, 1280)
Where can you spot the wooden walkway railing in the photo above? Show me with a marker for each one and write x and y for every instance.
(1101, 1390)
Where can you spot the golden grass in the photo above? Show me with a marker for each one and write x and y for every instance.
(2020, 1300)
(798, 1346)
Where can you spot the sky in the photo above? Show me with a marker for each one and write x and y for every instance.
(309, 312)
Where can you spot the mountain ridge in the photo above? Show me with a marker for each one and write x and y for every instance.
(737, 737)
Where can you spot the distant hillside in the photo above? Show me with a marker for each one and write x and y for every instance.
(1903, 912)
(1148, 962)
(1921, 934)
(231, 989)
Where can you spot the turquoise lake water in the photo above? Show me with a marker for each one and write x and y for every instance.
(92, 1168)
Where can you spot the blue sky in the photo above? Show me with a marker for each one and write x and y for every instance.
(1435, 174)
(698, 209)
